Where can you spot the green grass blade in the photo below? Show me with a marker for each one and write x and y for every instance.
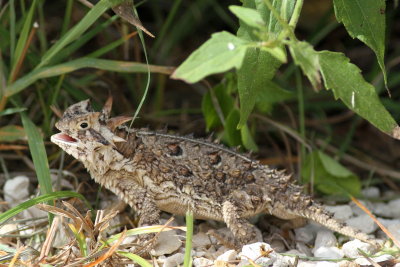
(139, 260)
(67, 17)
(67, 51)
(90, 18)
(40, 199)
(38, 152)
(12, 29)
(22, 38)
(11, 111)
(189, 234)
(104, 64)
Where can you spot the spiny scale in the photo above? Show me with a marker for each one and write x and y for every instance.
(154, 171)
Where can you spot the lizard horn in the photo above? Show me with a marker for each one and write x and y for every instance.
(107, 107)
(116, 121)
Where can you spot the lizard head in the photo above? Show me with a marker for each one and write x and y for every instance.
(84, 131)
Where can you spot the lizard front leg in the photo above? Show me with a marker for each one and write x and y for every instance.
(243, 231)
(142, 202)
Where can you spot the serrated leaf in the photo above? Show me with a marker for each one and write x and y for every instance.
(249, 16)
(365, 20)
(259, 66)
(330, 176)
(347, 84)
(222, 52)
(258, 69)
(307, 58)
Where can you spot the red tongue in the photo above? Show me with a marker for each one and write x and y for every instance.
(65, 137)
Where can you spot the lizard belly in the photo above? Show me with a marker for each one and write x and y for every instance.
(175, 206)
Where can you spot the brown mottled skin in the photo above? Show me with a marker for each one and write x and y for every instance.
(155, 171)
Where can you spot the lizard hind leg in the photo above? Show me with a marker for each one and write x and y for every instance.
(243, 231)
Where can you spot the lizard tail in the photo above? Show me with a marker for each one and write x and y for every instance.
(318, 214)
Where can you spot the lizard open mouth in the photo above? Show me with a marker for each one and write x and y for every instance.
(64, 138)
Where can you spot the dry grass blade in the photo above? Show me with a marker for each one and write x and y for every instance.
(109, 253)
(86, 224)
(59, 212)
(383, 228)
(49, 238)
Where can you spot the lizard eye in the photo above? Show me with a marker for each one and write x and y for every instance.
(83, 125)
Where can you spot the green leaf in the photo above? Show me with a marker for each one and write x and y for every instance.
(247, 139)
(91, 17)
(11, 133)
(104, 64)
(277, 52)
(307, 58)
(330, 177)
(40, 199)
(232, 135)
(249, 16)
(259, 66)
(11, 111)
(346, 82)
(258, 69)
(270, 95)
(39, 156)
(225, 102)
(222, 52)
(365, 20)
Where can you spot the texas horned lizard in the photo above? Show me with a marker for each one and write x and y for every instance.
(154, 171)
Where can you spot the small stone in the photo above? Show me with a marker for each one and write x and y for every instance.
(357, 211)
(350, 249)
(256, 251)
(371, 192)
(229, 255)
(7, 229)
(340, 212)
(363, 223)
(303, 248)
(395, 230)
(364, 261)
(326, 264)
(328, 253)
(325, 238)
(16, 190)
(284, 261)
(201, 240)
(388, 222)
(295, 252)
(201, 262)
(306, 264)
(307, 233)
(174, 260)
(278, 246)
(394, 207)
(382, 209)
(167, 243)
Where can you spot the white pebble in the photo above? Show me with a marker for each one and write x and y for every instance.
(306, 264)
(394, 206)
(167, 243)
(284, 261)
(363, 223)
(201, 240)
(255, 251)
(340, 212)
(350, 249)
(395, 230)
(305, 234)
(174, 260)
(382, 209)
(327, 264)
(201, 262)
(16, 190)
(364, 261)
(328, 253)
(357, 211)
(325, 238)
(229, 255)
(371, 192)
